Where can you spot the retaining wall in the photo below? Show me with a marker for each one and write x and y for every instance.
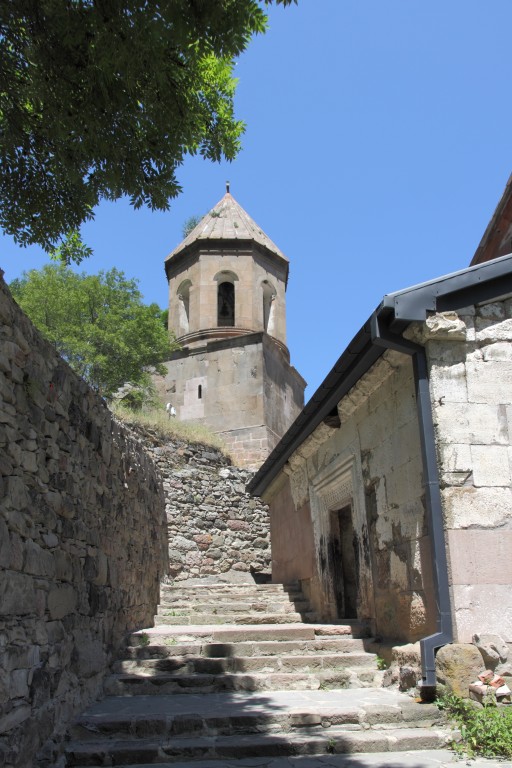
(82, 540)
(214, 526)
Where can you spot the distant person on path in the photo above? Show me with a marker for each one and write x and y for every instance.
(171, 410)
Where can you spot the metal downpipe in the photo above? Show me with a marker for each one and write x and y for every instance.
(444, 633)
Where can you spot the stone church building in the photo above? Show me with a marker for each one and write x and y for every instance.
(227, 308)
(391, 494)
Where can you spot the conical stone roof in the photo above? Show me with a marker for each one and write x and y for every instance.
(227, 221)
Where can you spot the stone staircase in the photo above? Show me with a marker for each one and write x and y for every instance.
(232, 672)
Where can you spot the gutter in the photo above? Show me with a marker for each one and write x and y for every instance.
(385, 338)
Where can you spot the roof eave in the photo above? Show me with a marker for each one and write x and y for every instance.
(179, 255)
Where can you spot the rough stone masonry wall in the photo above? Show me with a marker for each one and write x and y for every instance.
(82, 540)
(214, 526)
(470, 357)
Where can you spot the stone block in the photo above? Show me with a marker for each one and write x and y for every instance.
(18, 688)
(17, 493)
(455, 457)
(501, 351)
(488, 330)
(17, 594)
(481, 507)
(14, 718)
(493, 648)
(490, 465)
(458, 666)
(475, 424)
(478, 608)
(61, 601)
(480, 556)
(38, 561)
(90, 654)
(448, 382)
(489, 382)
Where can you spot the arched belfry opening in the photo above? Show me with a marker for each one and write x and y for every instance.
(226, 304)
(268, 294)
(226, 298)
(183, 296)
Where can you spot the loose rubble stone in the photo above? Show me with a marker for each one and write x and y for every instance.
(493, 648)
(458, 666)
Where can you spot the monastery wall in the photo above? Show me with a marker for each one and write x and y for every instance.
(82, 540)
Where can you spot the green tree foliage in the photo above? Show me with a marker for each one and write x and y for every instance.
(104, 98)
(98, 323)
(190, 224)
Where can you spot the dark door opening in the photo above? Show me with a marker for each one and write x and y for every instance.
(343, 563)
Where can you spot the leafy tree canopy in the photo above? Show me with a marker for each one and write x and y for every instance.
(98, 323)
(104, 98)
(190, 224)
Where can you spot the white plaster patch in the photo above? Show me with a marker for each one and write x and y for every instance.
(490, 465)
(299, 486)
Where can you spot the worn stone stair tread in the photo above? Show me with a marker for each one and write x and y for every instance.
(306, 631)
(407, 759)
(218, 607)
(125, 724)
(218, 618)
(221, 664)
(246, 649)
(316, 741)
(228, 681)
(381, 704)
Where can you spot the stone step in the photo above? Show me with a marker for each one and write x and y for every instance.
(235, 589)
(152, 650)
(126, 724)
(425, 758)
(220, 606)
(230, 633)
(317, 741)
(370, 708)
(252, 617)
(152, 683)
(277, 663)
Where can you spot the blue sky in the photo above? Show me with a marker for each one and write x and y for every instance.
(377, 147)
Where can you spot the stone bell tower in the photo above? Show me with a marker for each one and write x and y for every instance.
(227, 307)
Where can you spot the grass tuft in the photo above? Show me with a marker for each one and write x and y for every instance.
(158, 420)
